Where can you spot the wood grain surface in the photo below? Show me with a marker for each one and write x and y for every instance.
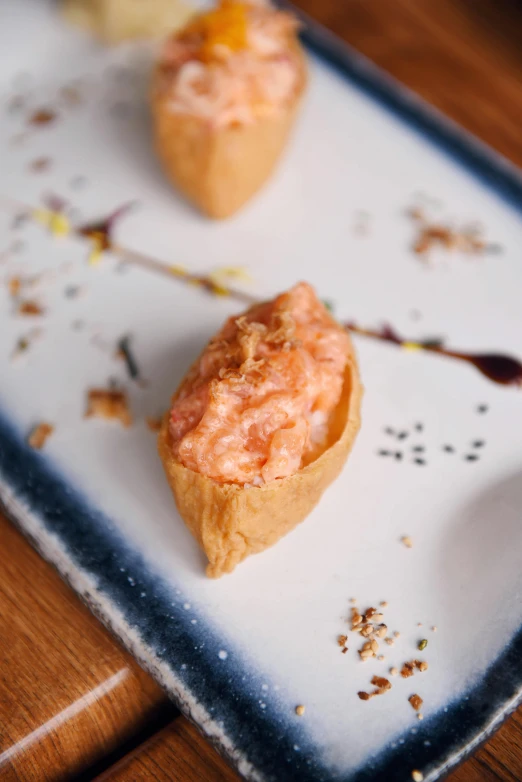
(176, 754)
(69, 695)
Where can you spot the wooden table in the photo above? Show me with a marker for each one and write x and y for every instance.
(72, 702)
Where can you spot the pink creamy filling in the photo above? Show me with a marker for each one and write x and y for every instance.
(259, 400)
(239, 87)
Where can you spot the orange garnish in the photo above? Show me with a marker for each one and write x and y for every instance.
(225, 26)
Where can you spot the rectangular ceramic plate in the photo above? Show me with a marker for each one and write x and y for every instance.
(239, 654)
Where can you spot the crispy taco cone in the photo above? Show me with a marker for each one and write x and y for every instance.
(219, 168)
(229, 521)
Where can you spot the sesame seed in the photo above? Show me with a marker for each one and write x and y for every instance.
(389, 430)
(482, 408)
(419, 461)
(420, 716)
(300, 710)
(398, 455)
(402, 435)
(471, 457)
(478, 444)
(417, 776)
(448, 448)
(418, 449)
(384, 603)
(384, 452)
(407, 541)
(419, 427)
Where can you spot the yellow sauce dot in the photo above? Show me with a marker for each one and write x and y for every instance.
(219, 290)
(411, 346)
(42, 216)
(59, 224)
(178, 271)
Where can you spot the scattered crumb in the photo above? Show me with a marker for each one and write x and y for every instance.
(422, 644)
(109, 404)
(29, 308)
(437, 235)
(300, 710)
(384, 603)
(394, 671)
(42, 117)
(154, 424)
(416, 701)
(407, 541)
(353, 600)
(381, 685)
(419, 624)
(417, 776)
(40, 164)
(407, 670)
(420, 716)
(70, 95)
(39, 434)
(434, 629)
(389, 641)
(356, 618)
(14, 285)
(396, 634)
(380, 657)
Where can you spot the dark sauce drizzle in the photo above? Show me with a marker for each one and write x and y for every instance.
(499, 368)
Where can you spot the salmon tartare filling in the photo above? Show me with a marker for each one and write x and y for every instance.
(256, 405)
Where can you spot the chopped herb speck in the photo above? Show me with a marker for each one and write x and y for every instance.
(422, 644)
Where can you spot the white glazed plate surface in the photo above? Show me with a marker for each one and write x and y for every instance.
(239, 654)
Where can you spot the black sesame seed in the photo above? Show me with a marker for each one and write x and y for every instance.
(471, 457)
(389, 430)
(448, 448)
(418, 449)
(478, 443)
(419, 427)
(419, 461)
(482, 408)
(402, 435)
(398, 455)
(383, 452)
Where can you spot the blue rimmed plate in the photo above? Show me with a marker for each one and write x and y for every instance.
(438, 459)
